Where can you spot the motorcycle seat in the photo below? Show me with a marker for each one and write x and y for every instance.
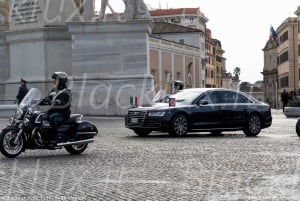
(72, 119)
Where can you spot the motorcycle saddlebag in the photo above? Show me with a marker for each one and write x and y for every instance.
(86, 129)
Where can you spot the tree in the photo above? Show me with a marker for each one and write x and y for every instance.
(236, 73)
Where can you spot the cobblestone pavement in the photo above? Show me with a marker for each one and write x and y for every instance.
(121, 166)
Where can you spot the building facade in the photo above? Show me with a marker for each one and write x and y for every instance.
(215, 62)
(211, 53)
(287, 52)
(281, 61)
(173, 56)
(270, 73)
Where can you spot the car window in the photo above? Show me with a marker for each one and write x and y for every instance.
(233, 97)
(217, 97)
(242, 99)
(213, 97)
(228, 97)
(185, 96)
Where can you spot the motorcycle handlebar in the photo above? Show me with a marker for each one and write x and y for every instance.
(44, 101)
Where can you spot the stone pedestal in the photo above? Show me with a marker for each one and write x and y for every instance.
(235, 84)
(4, 27)
(29, 14)
(4, 64)
(110, 64)
(35, 54)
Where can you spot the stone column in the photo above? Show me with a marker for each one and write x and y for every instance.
(110, 64)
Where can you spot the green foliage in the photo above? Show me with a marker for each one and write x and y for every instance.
(236, 73)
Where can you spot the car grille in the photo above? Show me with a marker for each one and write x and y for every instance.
(136, 118)
(152, 123)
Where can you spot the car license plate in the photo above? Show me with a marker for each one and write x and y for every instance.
(134, 120)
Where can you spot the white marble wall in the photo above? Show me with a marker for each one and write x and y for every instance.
(110, 64)
(36, 54)
(4, 64)
(4, 53)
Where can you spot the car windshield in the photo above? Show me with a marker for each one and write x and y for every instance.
(31, 99)
(186, 96)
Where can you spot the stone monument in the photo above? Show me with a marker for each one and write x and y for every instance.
(110, 62)
(134, 9)
(4, 47)
(39, 42)
(85, 10)
(4, 14)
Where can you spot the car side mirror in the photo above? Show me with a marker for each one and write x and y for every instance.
(203, 102)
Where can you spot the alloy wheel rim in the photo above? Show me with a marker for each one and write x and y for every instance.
(254, 124)
(180, 126)
(9, 145)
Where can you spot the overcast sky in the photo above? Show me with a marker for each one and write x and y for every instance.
(242, 26)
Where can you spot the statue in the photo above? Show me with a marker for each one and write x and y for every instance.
(80, 6)
(134, 9)
(85, 9)
(4, 11)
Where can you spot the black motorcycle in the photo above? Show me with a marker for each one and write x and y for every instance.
(29, 128)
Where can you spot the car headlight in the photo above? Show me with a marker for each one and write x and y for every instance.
(19, 113)
(156, 114)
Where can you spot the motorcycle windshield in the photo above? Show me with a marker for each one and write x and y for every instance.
(31, 99)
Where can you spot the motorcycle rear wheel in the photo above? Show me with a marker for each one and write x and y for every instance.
(76, 149)
(9, 146)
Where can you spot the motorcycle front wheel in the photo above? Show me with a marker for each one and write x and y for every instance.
(298, 127)
(76, 149)
(9, 145)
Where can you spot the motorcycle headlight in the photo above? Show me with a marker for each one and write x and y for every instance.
(29, 112)
(156, 114)
(19, 113)
(26, 122)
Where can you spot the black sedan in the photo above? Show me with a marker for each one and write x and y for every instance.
(201, 109)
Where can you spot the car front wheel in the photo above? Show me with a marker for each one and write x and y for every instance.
(253, 125)
(179, 126)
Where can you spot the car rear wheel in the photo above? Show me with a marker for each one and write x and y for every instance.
(179, 126)
(253, 125)
(298, 127)
(142, 132)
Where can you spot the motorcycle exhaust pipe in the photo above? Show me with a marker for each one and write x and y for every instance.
(75, 142)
